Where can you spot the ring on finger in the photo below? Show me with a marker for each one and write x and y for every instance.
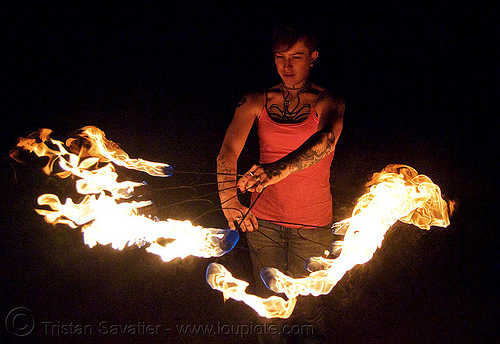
(251, 174)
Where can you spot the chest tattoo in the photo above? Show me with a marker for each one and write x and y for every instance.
(284, 114)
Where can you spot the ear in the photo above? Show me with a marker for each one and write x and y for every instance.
(314, 57)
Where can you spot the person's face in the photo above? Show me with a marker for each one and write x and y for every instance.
(295, 64)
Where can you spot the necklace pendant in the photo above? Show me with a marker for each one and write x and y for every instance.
(287, 103)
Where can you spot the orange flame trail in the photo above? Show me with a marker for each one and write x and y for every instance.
(396, 193)
(103, 215)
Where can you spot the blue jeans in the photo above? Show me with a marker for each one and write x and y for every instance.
(273, 245)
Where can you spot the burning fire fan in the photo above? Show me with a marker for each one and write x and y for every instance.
(107, 215)
(104, 215)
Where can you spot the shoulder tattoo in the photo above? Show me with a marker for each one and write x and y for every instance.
(242, 101)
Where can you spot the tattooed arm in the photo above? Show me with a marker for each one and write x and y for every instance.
(248, 109)
(331, 111)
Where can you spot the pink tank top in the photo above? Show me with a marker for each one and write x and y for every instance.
(304, 197)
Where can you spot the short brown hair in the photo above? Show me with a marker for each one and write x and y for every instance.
(286, 35)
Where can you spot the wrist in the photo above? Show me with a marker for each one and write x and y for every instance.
(230, 203)
(227, 195)
(277, 169)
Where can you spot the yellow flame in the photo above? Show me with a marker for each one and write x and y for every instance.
(107, 150)
(396, 193)
(102, 214)
(219, 278)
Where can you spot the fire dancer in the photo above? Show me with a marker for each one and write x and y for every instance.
(298, 125)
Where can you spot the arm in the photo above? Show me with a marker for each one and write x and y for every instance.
(319, 145)
(236, 135)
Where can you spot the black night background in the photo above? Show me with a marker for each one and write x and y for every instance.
(163, 79)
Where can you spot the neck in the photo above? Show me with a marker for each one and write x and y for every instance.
(296, 87)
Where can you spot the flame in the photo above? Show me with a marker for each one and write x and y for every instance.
(108, 150)
(396, 193)
(106, 217)
(103, 214)
(219, 278)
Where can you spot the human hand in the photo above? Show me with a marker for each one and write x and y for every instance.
(235, 212)
(260, 176)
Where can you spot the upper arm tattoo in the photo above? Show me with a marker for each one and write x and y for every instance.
(242, 101)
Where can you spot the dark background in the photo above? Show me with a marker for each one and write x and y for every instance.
(162, 80)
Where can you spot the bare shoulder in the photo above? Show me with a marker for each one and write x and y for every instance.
(253, 101)
(329, 101)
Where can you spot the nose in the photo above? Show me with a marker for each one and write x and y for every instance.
(288, 63)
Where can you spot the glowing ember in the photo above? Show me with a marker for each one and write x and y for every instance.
(103, 214)
(396, 193)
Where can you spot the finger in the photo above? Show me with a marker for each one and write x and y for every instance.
(252, 186)
(245, 182)
(261, 186)
(237, 226)
(251, 173)
(253, 221)
(243, 227)
(248, 177)
(241, 183)
(248, 225)
(254, 168)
